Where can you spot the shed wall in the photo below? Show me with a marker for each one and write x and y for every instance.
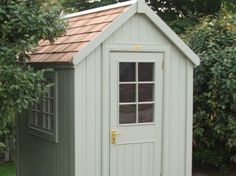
(177, 127)
(40, 157)
(177, 119)
(88, 116)
(79, 151)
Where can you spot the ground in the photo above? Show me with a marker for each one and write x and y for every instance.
(8, 169)
(212, 172)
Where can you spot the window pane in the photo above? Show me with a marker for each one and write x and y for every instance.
(45, 105)
(51, 92)
(51, 122)
(32, 118)
(146, 113)
(127, 114)
(127, 93)
(127, 72)
(145, 71)
(45, 121)
(51, 108)
(145, 92)
(37, 116)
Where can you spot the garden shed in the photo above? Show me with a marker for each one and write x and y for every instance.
(121, 104)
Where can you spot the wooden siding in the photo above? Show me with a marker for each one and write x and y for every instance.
(39, 157)
(177, 120)
(138, 30)
(88, 116)
(81, 131)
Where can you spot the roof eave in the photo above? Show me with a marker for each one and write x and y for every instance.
(99, 9)
(139, 7)
(170, 34)
(109, 30)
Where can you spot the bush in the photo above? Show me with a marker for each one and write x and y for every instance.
(215, 90)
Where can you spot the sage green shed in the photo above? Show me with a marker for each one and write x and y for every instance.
(121, 104)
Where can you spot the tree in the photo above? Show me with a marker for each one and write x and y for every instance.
(214, 40)
(23, 23)
(80, 5)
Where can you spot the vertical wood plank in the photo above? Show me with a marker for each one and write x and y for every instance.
(151, 159)
(189, 118)
(128, 160)
(80, 119)
(137, 159)
(98, 112)
(90, 116)
(145, 159)
(139, 29)
(40, 157)
(121, 161)
(182, 111)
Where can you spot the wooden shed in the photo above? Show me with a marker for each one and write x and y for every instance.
(121, 104)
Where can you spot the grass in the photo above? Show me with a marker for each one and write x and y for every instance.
(7, 169)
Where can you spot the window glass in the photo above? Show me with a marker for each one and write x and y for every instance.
(127, 72)
(145, 72)
(145, 92)
(145, 113)
(127, 114)
(136, 92)
(43, 118)
(127, 93)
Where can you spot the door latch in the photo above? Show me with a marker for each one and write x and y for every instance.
(114, 135)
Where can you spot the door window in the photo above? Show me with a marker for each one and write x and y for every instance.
(136, 92)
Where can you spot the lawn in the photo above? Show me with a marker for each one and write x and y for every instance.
(7, 169)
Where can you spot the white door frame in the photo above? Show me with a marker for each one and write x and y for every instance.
(107, 49)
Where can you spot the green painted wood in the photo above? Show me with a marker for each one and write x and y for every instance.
(88, 115)
(140, 34)
(40, 157)
(83, 100)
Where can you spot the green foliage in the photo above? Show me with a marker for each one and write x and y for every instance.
(2, 147)
(22, 24)
(20, 88)
(80, 5)
(215, 90)
(172, 9)
(180, 14)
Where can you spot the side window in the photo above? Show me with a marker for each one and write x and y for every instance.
(43, 116)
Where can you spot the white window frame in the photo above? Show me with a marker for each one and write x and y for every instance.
(137, 83)
(40, 131)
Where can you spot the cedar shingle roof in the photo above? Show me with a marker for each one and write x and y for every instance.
(81, 30)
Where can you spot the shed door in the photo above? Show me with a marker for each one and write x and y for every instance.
(136, 113)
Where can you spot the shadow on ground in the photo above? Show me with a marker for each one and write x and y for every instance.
(212, 172)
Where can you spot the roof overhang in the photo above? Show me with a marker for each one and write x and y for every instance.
(138, 6)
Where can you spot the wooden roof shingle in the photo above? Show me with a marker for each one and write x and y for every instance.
(80, 31)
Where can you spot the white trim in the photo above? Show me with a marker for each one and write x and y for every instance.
(107, 48)
(85, 51)
(189, 119)
(138, 7)
(99, 9)
(39, 131)
(171, 35)
(141, 6)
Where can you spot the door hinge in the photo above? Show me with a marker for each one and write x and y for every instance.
(162, 65)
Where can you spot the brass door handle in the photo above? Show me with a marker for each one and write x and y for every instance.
(114, 135)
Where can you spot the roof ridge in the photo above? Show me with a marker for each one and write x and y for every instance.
(99, 9)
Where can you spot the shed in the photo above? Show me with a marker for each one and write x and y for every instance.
(121, 104)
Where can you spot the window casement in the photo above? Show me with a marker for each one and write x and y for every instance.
(43, 116)
(136, 92)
